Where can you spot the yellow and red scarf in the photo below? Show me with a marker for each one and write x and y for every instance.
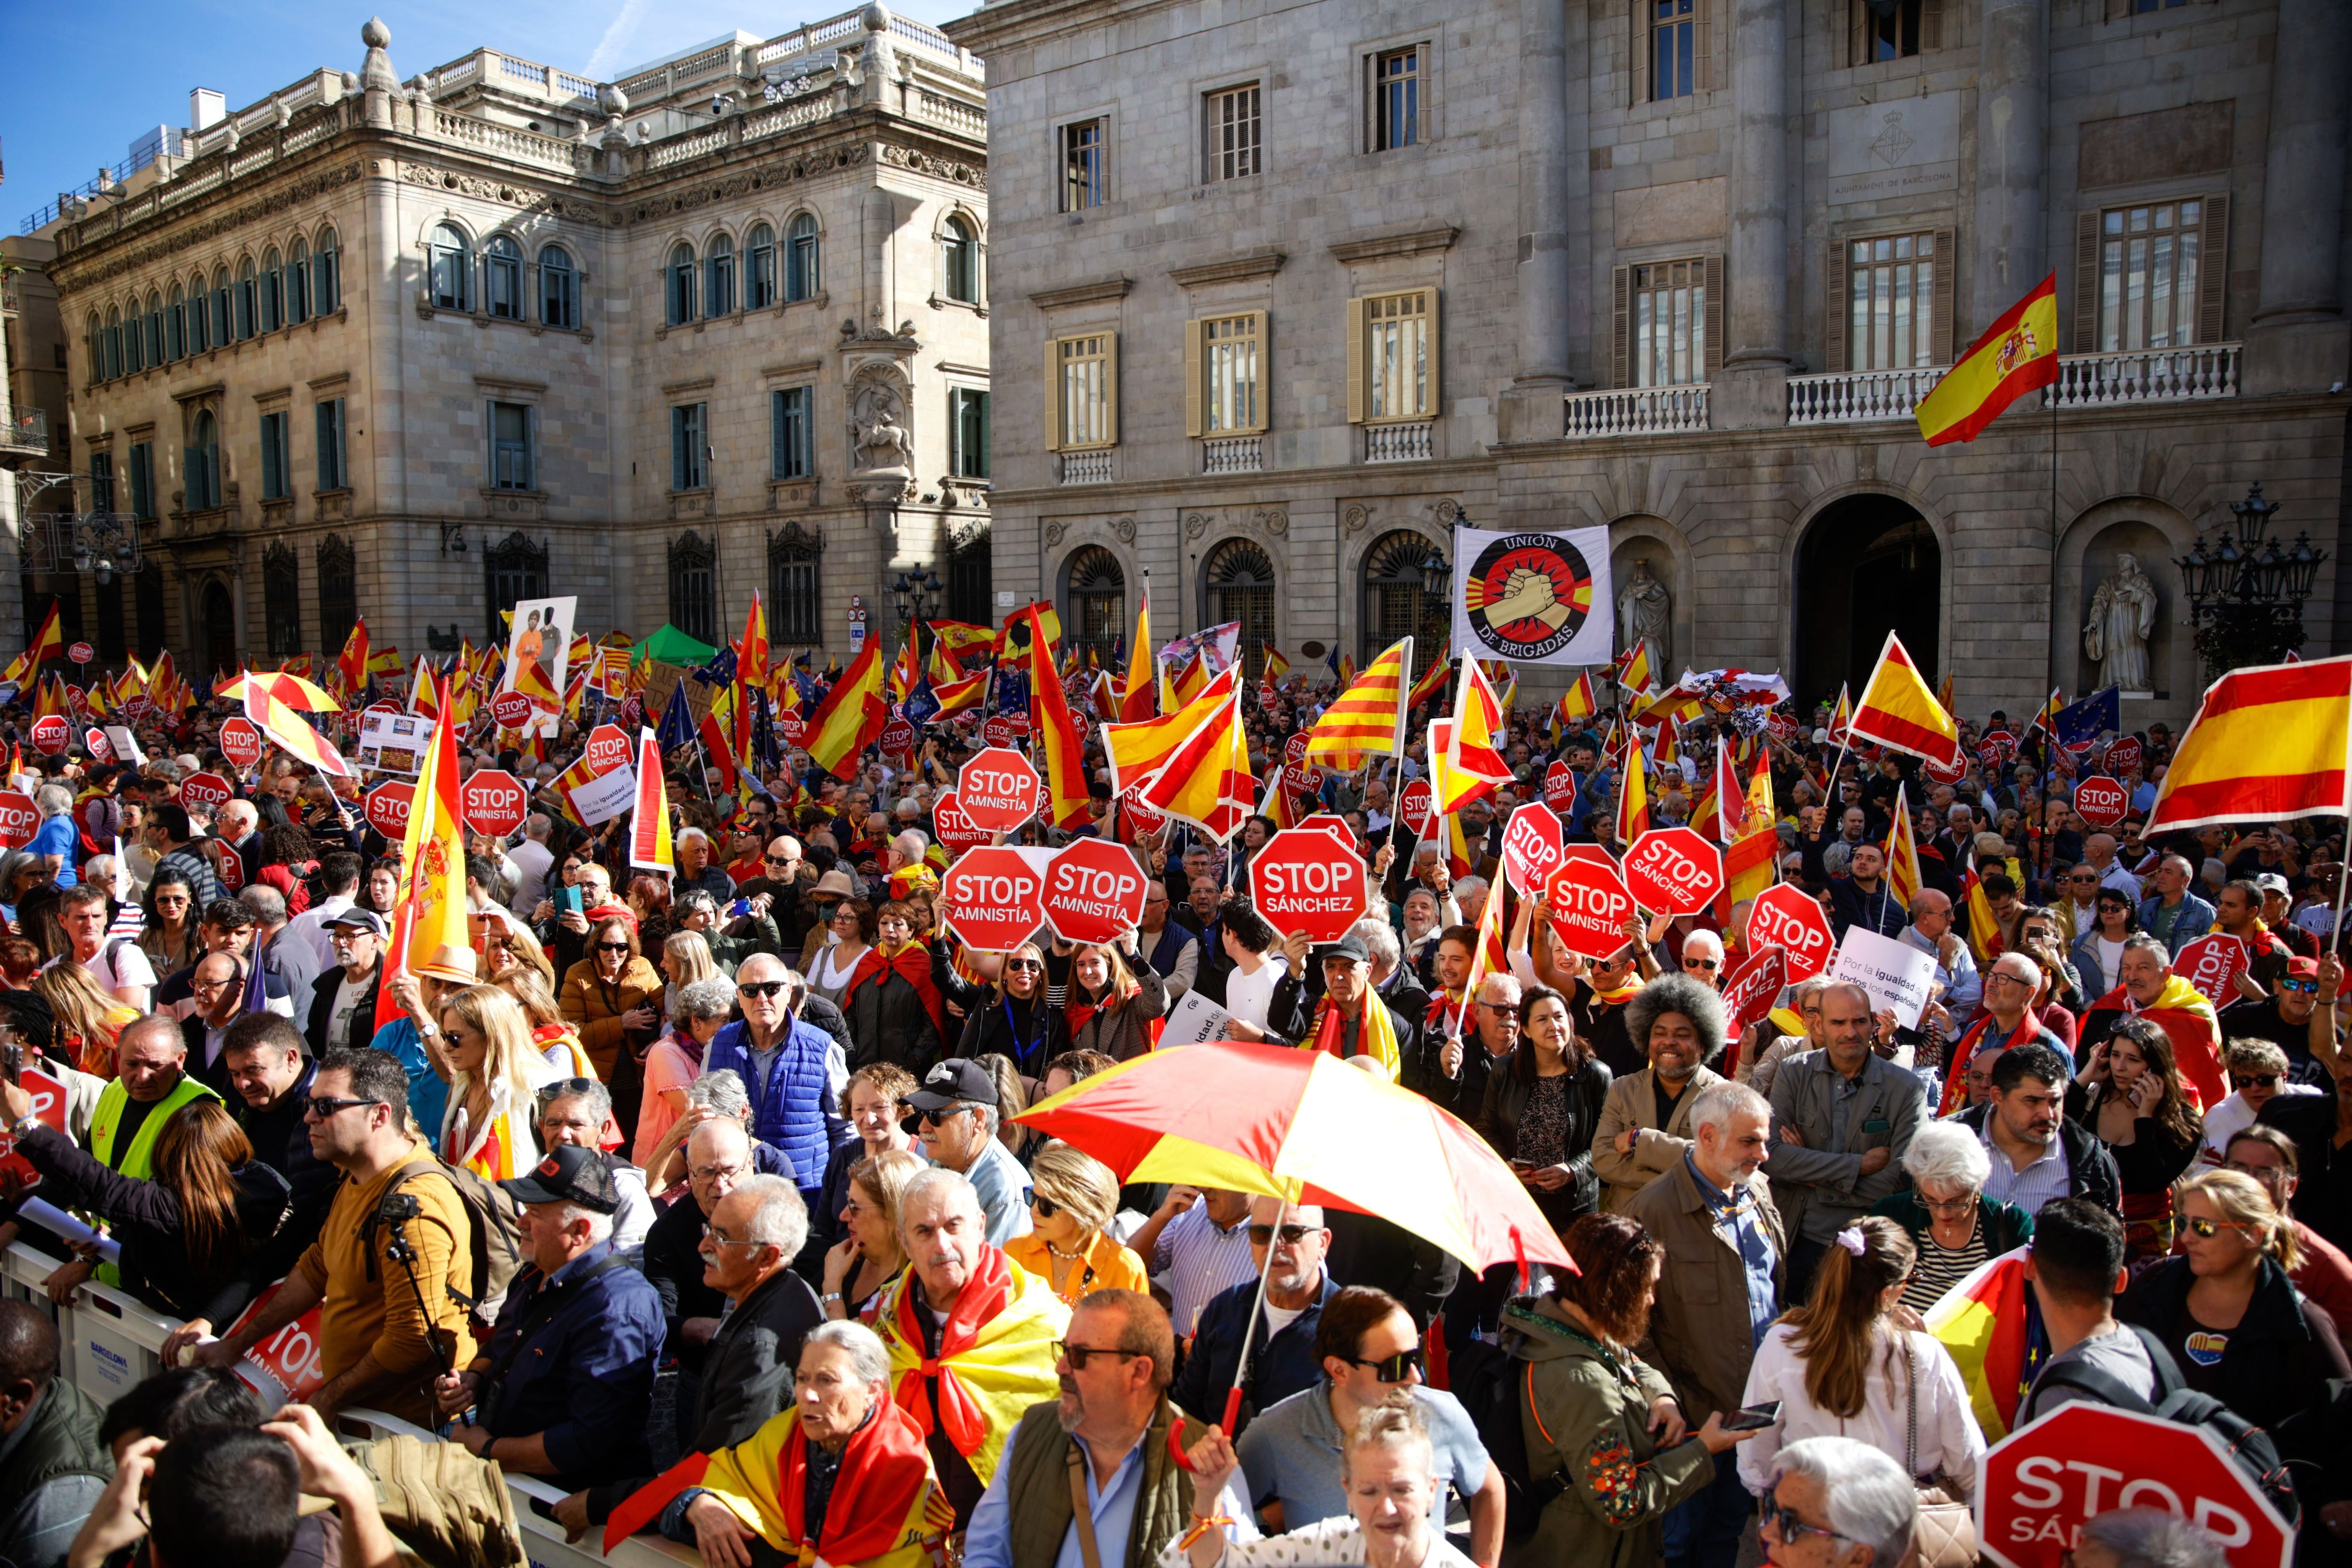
(912, 964)
(995, 1358)
(1375, 1032)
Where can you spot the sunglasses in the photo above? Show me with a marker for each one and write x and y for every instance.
(933, 1118)
(611, 947)
(564, 1086)
(776, 860)
(1262, 1234)
(1023, 963)
(1784, 1518)
(760, 988)
(2301, 987)
(2199, 1225)
(2253, 1080)
(1047, 1208)
(1707, 963)
(1396, 1368)
(323, 1106)
(1076, 1355)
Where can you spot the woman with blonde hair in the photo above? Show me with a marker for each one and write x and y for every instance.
(509, 946)
(1111, 1006)
(859, 1269)
(1071, 1199)
(685, 958)
(89, 1019)
(2226, 1306)
(1841, 1366)
(489, 1126)
(551, 1031)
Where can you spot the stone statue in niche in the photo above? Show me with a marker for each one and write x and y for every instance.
(2123, 613)
(877, 429)
(1645, 610)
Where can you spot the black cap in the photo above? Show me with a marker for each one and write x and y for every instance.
(956, 1079)
(570, 1174)
(1350, 946)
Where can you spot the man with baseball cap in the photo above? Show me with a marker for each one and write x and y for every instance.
(564, 1387)
(2294, 1017)
(956, 1117)
(1350, 1019)
(342, 1003)
(2278, 914)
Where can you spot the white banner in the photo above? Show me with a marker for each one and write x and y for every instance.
(395, 743)
(1533, 598)
(1899, 977)
(605, 796)
(1195, 1021)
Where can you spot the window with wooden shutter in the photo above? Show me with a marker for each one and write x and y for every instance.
(1838, 276)
(1354, 313)
(1053, 399)
(2086, 282)
(2157, 272)
(1193, 377)
(1620, 290)
(1084, 385)
(1397, 357)
(2213, 284)
(1224, 368)
(1715, 292)
(1671, 320)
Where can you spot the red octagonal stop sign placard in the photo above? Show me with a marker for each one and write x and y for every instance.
(1416, 804)
(2102, 802)
(2213, 963)
(1094, 890)
(999, 789)
(993, 900)
(608, 748)
(52, 733)
(240, 742)
(387, 808)
(1589, 905)
(204, 789)
(1674, 871)
(1531, 847)
(494, 802)
(1559, 786)
(1793, 920)
(1306, 879)
(512, 710)
(18, 819)
(952, 827)
(2126, 755)
(2043, 1482)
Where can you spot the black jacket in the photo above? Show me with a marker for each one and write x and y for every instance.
(2270, 1365)
(2090, 1168)
(1587, 1092)
(1290, 1017)
(1279, 1368)
(673, 1262)
(2323, 1192)
(323, 1008)
(281, 1140)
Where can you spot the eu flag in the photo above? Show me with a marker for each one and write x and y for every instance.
(2079, 726)
(677, 727)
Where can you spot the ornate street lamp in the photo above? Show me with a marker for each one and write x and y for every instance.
(2245, 591)
(916, 595)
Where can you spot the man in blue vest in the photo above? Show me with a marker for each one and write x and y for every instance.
(793, 1072)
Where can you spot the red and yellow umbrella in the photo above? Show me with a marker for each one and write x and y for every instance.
(1302, 1126)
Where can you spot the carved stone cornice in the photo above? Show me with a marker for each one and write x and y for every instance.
(506, 192)
(1236, 268)
(1385, 243)
(1114, 286)
(71, 274)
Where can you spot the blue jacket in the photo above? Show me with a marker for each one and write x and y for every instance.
(1280, 1367)
(584, 1379)
(794, 1108)
(2195, 918)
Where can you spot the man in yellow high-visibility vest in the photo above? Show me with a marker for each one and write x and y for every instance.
(150, 1085)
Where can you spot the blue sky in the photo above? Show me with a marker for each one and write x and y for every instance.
(59, 122)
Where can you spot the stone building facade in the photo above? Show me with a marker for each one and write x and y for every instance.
(1284, 291)
(413, 350)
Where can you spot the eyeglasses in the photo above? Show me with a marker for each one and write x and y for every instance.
(2262, 1174)
(710, 1234)
(1077, 1355)
(1783, 1518)
(1396, 1368)
(323, 1106)
(611, 947)
(2253, 1080)
(715, 1173)
(1047, 1208)
(1956, 1206)
(760, 988)
(1262, 1234)
(2208, 1228)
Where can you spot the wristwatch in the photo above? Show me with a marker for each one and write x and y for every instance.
(828, 1299)
(24, 1126)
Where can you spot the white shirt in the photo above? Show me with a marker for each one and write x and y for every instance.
(1949, 1440)
(311, 926)
(120, 962)
(339, 1015)
(2233, 1116)
(1248, 996)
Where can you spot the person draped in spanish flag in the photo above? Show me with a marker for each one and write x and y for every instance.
(2152, 990)
(841, 1478)
(896, 998)
(1352, 1019)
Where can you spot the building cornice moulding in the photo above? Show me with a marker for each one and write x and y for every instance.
(1236, 269)
(1114, 286)
(1381, 244)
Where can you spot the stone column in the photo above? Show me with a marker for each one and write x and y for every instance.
(2008, 255)
(1751, 390)
(1531, 408)
(2298, 338)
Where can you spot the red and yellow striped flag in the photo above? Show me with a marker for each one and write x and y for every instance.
(1136, 752)
(1634, 670)
(1902, 854)
(1062, 762)
(1206, 780)
(2017, 355)
(1579, 705)
(1897, 710)
(1982, 1324)
(852, 715)
(1751, 863)
(1277, 667)
(430, 913)
(1137, 692)
(1368, 718)
(1468, 761)
(1431, 684)
(2269, 743)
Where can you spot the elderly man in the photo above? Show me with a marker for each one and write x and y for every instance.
(290, 960)
(717, 1160)
(1282, 1344)
(218, 990)
(794, 1071)
(1930, 932)
(339, 876)
(387, 1325)
(578, 1112)
(228, 927)
(2150, 989)
(2009, 987)
(1114, 1427)
(2038, 1152)
(970, 1335)
(236, 831)
(564, 1386)
(1645, 1122)
(1700, 955)
(1174, 953)
(1764, 1047)
(1392, 979)
(1836, 1502)
(120, 966)
(695, 868)
(1717, 1301)
(1454, 1069)
(1423, 918)
(958, 1120)
(342, 1003)
(1842, 1118)
(53, 1466)
(1352, 1019)
(2099, 855)
(2173, 914)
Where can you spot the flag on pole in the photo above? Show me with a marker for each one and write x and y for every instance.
(1984, 927)
(1138, 690)
(1990, 1324)
(2017, 355)
(1431, 683)
(2269, 743)
(272, 704)
(1842, 716)
(649, 820)
(852, 715)
(1135, 753)
(1205, 780)
(1632, 668)
(1633, 800)
(1277, 667)
(752, 652)
(1470, 764)
(429, 913)
(1902, 854)
(1897, 710)
(1578, 705)
(1750, 864)
(1056, 729)
(2047, 720)
(353, 665)
(1368, 718)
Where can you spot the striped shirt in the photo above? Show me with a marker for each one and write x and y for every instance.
(1941, 1267)
(2044, 1179)
(1197, 1261)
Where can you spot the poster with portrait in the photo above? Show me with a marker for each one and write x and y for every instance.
(1533, 598)
(538, 644)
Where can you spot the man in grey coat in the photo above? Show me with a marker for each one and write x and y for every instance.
(1842, 1118)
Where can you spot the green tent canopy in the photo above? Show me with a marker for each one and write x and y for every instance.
(671, 646)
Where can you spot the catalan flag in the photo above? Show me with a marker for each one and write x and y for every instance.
(2269, 742)
(1206, 780)
(1991, 1325)
(1137, 692)
(1902, 854)
(1469, 763)
(1192, 679)
(1368, 718)
(852, 715)
(2017, 355)
(1897, 710)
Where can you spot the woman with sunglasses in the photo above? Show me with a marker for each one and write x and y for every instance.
(1844, 1365)
(2227, 1308)
(169, 936)
(860, 1268)
(1012, 1019)
(613, 995)
(2259, 1073)
(2098, 952)
(1071, 1199)
(491, 1123)
(2129, 1093)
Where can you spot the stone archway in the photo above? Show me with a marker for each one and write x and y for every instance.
(1868, 564)
(218, 615)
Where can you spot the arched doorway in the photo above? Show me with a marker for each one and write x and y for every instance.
(1238, 584)
(219, 620)
(1094, 602)
(1869, 565)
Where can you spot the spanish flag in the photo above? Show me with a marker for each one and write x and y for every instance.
(1277, 667)
(1897, 710)
(1991, 1325)
(430, 912)
(1431, 685)
(1053, 724)
(2269, 743)
(1579, 705)
(2017, 355)
(751, 653)
(1192, 679)
(1632, 668)
(351, 668)
(1750, 864)
(1138, 690)
(852, 715)
(1633, 800)
(1842, 715)
(1368, 718)
(48, 643)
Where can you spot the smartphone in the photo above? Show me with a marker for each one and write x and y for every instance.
(1751, 1417)
(738, 909)
(12, 1061)
(567, 901)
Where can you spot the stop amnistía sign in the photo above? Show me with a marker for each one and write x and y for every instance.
(1294, 751)
(1140, 815)
(992, 899)
(206, 790)
(2102, 802)
(1590, 907)
(240, 742)
(18, 819)
(608, 748)
(1559, 786)
(791, 729)
(81, 653)
(1306, 879)
(1094, 890)
(387, 808)
(952, 827)
(1787, 918)
(2212, 964)
(510, 709)
(1531, 850)
(1415, 806)
(52, 734)
(999, 789)
(2046, 1479)
(1674, 871)
(494, 802)
(1946, 772)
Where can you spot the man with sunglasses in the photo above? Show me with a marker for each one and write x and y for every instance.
(794, 1071)
(1282, 1344)
(956, 1119)
(2076, 900)
(1370, 1354)
(2290, 1017)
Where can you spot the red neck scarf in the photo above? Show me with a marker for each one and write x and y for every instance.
(911, 963)
(983, 1295)
(880, 1470)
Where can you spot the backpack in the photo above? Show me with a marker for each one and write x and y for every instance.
(1492, 1385)
(493, 1233)
(2249, 1447)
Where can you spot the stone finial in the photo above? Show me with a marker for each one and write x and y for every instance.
(611, 99)
(876, 61)
(876, 18)
(375, 72)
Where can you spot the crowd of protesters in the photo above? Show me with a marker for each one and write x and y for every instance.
(702, 1198)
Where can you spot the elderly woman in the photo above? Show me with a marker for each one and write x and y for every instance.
(841, 1478)
(1837, 1503)
(860, 1266)
(1071, 1199)
(696, 910)
(698, 1011)
(1955, 1226)
(1645, 1122)
(1597, 1414)
(1388, 1466)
